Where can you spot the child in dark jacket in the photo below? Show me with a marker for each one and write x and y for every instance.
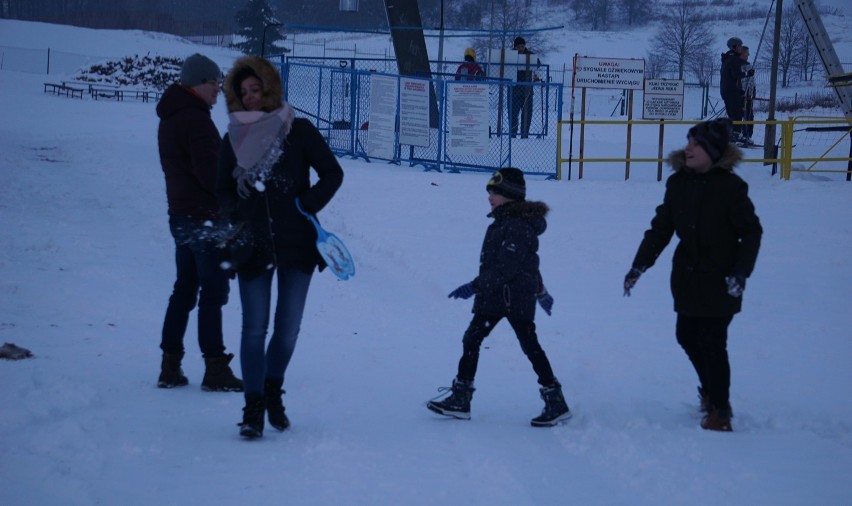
(707, 206)
(508, 285)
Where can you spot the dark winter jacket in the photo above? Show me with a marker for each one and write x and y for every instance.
(282, 235)
(294, 243)
(189, 151)
(731, 73)
(508, 264)
(718, 230)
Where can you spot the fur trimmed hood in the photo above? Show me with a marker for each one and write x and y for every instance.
(534, 212)
(522, 209)
(268, 75)
(729, 160)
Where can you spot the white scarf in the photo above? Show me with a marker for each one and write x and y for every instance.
(257, 139)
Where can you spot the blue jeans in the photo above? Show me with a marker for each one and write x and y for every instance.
(201, 280)
(256, 297)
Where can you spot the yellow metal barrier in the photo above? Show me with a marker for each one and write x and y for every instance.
(783, 156)
(802, 121)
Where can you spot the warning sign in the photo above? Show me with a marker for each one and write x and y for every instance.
(618, 73)
(663, 99)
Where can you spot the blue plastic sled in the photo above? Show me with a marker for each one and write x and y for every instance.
(331, 249)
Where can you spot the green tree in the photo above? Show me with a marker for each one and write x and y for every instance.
(256, 24)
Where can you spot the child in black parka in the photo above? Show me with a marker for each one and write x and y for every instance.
(508, 285)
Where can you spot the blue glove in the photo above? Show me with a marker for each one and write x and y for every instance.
(631, 278)
(736, 284)
(465, 291)
(545, 300)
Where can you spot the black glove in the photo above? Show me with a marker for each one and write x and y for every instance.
(545, 300)
(631, 278)
(749, 72)
(736, 284)
(465, 291)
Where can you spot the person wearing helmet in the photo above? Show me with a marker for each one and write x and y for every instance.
(732, 73)
(469, 70)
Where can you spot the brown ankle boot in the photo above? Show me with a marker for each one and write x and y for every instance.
(718, 419)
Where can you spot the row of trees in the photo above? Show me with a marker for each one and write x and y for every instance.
(685, 45)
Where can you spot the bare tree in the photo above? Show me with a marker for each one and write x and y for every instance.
(683, 38)
(793, 30)
(636, 12)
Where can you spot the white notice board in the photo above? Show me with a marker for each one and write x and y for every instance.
(380, 136)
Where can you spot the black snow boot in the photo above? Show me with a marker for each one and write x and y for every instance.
(555, 408)
(272, 392)
(457, 405)
(171, 375)
(252, 426)
(218, 376)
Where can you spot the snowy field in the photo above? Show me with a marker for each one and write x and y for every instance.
(86, 267)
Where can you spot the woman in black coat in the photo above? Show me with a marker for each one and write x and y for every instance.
(264, 168)
(708, 207)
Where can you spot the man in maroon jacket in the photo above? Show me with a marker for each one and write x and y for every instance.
(189, 149)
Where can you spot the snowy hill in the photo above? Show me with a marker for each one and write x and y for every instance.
(86, 263)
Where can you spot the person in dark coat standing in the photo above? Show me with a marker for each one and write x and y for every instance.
(733, 70)
(264, 168)
(719, 233)
(522, 91)
(189, 151)
(508, 285)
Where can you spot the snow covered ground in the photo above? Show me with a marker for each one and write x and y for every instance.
(86, 269)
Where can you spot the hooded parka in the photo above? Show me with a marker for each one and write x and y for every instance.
(718, 230)
(282, 236)
(509, 274)
(188, 142)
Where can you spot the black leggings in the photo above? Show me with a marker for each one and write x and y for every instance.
(705, 341)
(481, 326)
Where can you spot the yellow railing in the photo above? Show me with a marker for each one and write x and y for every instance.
(794, 124)
(783, 157)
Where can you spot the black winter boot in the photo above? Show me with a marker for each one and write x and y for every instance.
(218, 376)
(171, 375)
(272, 392)
(457, 404)
(252, 426)
(555, 408)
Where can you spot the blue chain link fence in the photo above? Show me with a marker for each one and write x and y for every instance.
(335, 94)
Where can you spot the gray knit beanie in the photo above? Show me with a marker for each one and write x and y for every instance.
(199, 69)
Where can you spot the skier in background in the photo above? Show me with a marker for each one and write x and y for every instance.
(729, 85)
